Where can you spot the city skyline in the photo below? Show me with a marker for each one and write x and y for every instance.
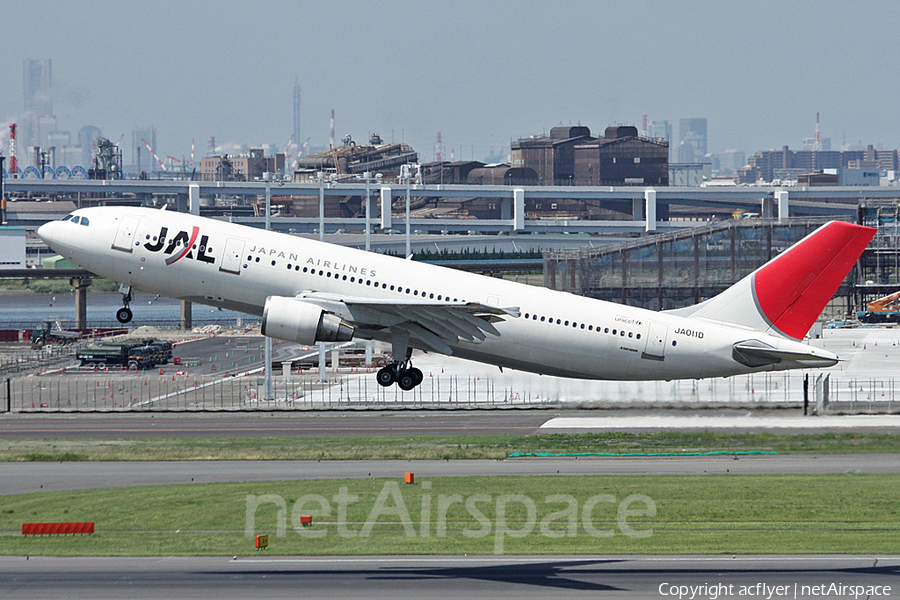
(481, 74)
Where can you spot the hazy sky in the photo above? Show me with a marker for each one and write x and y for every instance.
(473, 70)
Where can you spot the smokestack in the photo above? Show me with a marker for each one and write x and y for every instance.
(13, 161)
(331, 135)
(818, 143)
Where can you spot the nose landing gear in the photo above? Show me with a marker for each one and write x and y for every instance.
(124, 314)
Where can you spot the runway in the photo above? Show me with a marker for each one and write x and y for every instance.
(105, 426)
(21, 478)
(449, 577)
(311, 424)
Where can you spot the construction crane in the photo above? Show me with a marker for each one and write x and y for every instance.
(882, 310)
(299, 154)
(153, 154)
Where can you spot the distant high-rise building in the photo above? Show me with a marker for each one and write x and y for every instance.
(823, 144)
(662, 130)
(692, 140)
(297, 139)
(38, 120)
(729, 162)
(87, 140)
(141, 160)
(38, 85)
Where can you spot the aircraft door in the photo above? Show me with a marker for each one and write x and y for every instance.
(234, 252)
(656, 341)
(124, 239)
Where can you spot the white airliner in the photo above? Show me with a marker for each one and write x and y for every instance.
(309, 291)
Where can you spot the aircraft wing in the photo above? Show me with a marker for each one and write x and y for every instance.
(435, 323)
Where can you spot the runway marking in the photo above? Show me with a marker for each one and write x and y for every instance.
(704, 422)
(623, 558)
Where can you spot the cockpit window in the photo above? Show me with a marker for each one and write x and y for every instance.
(67, 217)
(84, 221)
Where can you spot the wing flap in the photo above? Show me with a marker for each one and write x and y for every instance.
(435, 323)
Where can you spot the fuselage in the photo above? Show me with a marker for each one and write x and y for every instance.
(556, 333)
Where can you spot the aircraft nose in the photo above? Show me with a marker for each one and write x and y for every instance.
(45, 232)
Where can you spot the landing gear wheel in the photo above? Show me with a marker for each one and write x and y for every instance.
(417, 374)
(124, 314)
(407, 380)
(386, 376)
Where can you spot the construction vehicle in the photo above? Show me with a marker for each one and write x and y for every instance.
(51, 331)
(163, 351)
(133, 355)
(882, 310)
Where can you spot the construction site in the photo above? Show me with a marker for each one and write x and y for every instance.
(680, 268)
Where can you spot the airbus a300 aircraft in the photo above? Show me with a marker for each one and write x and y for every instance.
(308, 291)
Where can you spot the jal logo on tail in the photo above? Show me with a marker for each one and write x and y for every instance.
(180, 245)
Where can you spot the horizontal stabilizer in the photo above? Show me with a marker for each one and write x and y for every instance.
(755, 353)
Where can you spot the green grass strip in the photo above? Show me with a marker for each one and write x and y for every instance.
(847, 513)
(440, 447)
(712, 453)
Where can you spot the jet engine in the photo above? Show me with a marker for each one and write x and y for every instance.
(302, 322)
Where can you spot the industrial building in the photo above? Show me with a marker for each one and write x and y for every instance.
(552, 157)
(621, 157)
(351, 159)
(879, 265)
(247, 166)
(571, 156)
(685, 267)
(789, 165)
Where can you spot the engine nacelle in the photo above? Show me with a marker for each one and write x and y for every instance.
(294, 320)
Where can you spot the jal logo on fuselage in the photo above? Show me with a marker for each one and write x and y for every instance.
(181, 245)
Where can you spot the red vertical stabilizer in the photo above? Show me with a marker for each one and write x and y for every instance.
(793, 288)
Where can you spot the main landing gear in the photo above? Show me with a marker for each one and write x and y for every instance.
(401, 373)
(124, 314)
(400, 369)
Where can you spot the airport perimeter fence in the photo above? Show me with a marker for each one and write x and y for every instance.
(347, 390)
